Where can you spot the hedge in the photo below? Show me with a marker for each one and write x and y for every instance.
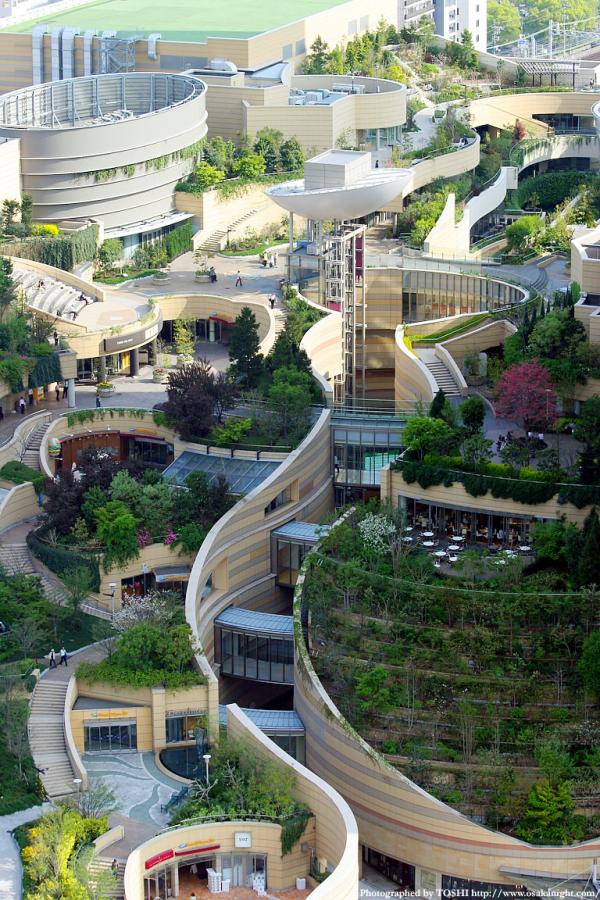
(46, 370)
(179, 240)
(62, 252)
(60, 560)
(522, 490)
(19, 473)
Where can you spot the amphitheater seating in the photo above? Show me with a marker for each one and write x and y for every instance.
(50, 296)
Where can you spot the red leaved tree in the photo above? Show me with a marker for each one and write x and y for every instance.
(525, 393)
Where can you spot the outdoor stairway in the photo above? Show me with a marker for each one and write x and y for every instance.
(99, 871)
(280, 315)
(31, 457)
(443, 376)
(46, 734)
(214, 243)
(16, 559)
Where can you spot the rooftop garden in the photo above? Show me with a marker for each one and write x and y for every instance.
(243, 785)
(110, 509)
(480, 683)
(232, 170)
(146, 260)
(45, 243)
(154, 646)
(277, 389)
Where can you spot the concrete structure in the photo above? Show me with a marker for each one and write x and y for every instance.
(454, 17)
(109, 147)
(96, 51)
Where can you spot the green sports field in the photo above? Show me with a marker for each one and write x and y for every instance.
(184, 20)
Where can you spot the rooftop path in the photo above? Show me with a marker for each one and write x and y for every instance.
(10, 858)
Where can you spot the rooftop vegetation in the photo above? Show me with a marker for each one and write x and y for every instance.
(480, 685)
(243, 785)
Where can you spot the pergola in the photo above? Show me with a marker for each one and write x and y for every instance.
(553, 68)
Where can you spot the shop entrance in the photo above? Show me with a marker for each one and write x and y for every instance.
(113, 737)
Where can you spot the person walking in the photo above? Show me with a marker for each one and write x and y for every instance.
(64, 659)
(238, 280)
(30, 393)
(56, 339)
(98, 403)
(22, 405)
(52, 658)
(65, 390)
(272, 302)
(57, 389)
(114, 866)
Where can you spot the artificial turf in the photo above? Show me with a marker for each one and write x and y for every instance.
(183, 20)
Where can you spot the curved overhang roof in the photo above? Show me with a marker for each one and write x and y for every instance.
(372, 192)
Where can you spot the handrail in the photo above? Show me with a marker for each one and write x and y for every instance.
(233, 817)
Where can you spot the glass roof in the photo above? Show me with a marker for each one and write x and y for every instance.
(302, 531)
(242, 475)
(251, 620)
(272, 720)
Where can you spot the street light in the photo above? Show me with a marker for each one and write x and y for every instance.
(206, 759)
(113, 589)
(77, 782)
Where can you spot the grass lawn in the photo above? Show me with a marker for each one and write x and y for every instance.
(187, 20)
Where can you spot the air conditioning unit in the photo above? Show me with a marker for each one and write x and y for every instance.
(218, 64)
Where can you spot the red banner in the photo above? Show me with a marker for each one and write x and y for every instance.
(160, 857)
(197, 850)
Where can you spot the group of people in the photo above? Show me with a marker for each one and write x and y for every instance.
(64, 658)
(59, 388)
(503, 440)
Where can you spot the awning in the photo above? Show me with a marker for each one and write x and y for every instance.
(222, 319)
(171, 573)
(557, 887)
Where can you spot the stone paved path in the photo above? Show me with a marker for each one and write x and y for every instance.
(140, 788)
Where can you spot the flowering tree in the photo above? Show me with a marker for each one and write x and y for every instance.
(525, 394)
(376, 532)
(156, 608)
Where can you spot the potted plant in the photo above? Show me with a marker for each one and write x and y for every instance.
(105, 388)
(159, 374)
(202, 275)
(160, 277)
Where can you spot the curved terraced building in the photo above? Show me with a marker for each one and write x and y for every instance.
(109, 147)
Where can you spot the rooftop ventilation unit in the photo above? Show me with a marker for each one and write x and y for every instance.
(218, 64)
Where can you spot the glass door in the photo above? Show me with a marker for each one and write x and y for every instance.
(238, 872)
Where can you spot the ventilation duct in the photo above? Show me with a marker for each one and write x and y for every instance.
(56, 54)
(152, 41)
(88, 41)
(68, 52)
(37, 48)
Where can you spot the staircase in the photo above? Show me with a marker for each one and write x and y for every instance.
(16, 559)
(46, 734)
(101, 877)
(280, 315)
(214, 243)
(443, 376)
(31, 457)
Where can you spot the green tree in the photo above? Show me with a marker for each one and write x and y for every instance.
(316, 61)
(10, 208)
(437, 405)
(469, 54)
(477, 449)
(589, 664)
(472, 412)
(548, 815)
(220, 153)
(372, 692)
(244, 344)
(26, 209)
(78, 582)
(110, 251)
(290, 399)
(268, 145)
(504, 23)
(291, 155)
(423, 434)
(116, 527)
(587, 430)
(249, 166)
(588, 567)
(206, 175)
(554, 762)
(522, 234)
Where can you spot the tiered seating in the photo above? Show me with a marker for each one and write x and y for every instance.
(49, 295)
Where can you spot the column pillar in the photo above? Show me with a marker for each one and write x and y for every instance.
(134, 363)
(211, 331)
(175, 879)
(291, 231)
(71, 393)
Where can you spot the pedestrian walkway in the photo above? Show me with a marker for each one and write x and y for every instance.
(11, 869)
(141, 789)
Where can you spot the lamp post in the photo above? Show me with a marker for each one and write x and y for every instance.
(113, 589)
(77, 783)
(206, 759)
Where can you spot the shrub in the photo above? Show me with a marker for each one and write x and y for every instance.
(60, 560)
(19, 473)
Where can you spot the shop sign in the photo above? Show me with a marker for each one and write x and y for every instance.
(242, 839)
(195, 850)
(133, 339)
(158, 858)
(112, 714)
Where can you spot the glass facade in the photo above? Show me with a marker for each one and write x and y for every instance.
(114, 736)
(184, 728)
(256, 656)
(473, 525)
(294, 744)
(290, 556)
(427, 294)
(361, 451)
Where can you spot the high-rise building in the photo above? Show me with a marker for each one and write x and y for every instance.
(454, 17)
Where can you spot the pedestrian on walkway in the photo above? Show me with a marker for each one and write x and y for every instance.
(238, 280)
(98, 403)
(64, 659)
(30, 393)
(56, 339)
(114, 866)
(272, 302)
(65, 390)
(22, 405)
(57, 389)
(52, 658)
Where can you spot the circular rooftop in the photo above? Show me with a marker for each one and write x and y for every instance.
(96, 100)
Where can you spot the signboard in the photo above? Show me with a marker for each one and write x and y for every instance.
(158, 858)
(196, 850)
(133, 339)
(242, 839)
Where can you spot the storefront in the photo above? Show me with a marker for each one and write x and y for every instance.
(473, 525)
(116, 736)
(206, 868)
(146, 449)
(215, 329)
(395, 870)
